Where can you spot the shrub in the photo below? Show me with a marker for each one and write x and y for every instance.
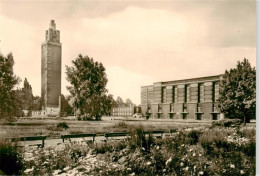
(103, 148)
(193, 137)
(248, 132)
(250, 149)
(59, 127)
(45, 160)
(11, 162)
(63, 125)
(121, 125)
(139, 139)
(209, 139)
(53, 128)
(227, 123)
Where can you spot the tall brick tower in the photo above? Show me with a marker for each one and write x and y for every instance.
(51, 70)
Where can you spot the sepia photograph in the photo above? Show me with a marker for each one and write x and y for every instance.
(128, 87)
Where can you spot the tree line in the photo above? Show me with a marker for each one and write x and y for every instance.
(90, 99)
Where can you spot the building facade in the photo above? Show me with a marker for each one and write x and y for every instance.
(182, 99)
(125, 111)
(51, 70)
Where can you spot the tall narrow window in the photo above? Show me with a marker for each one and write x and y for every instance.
(213, 92)
(163, 94)
(199, 92)
(201, 88)
(173, 94)
(187, 93)
(216, 91)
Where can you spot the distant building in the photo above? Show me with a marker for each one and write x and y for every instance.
(125, 111)
(51, 70)
(183, 99)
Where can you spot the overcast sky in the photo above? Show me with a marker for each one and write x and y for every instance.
(139, 42)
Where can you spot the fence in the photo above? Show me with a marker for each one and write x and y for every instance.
(92, 135)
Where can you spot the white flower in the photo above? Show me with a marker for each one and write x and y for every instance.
(181, 164)
(148, 163)
(56, 172)
(29, 170)
(169, 160)
(143, 148)
(194, 154)
(190, 150)
(66, 168)
(232, 166)
(183, 145)
(129, 169)
(187, 168)
(164, 170)
(201, 172)
(132, 174)
(242, 172)
(158, 147)
(200, 155)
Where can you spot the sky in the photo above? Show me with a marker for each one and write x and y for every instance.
(138, 42)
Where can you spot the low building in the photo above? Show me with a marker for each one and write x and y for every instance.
(195, 98)
(125, 111)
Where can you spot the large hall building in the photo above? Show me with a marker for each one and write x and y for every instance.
(183, 99)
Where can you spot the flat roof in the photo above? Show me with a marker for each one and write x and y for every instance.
(189, 80)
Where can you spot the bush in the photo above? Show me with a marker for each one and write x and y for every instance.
(247, 132)
(250, 149)
(212, 140)
(53, 128)
(227, 123)
(121, 125)
(63, 125)
(140, 140)
(46, 160)
(193, 137)
(11, 162)
(103, 148)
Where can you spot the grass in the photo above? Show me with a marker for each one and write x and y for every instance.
(32, 127)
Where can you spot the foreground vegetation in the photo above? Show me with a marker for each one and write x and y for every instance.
(191, 151)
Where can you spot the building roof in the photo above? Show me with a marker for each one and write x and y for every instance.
(189, 80)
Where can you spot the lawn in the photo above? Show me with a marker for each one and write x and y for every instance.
(32, 127)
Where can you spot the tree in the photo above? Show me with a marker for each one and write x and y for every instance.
(120, 102)
(109, 104)
(238, 92)
(37, 103)
(25, 97)
(8, 100)
(129, 102)
(88, 87)
(28, 95)
(66, 108)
